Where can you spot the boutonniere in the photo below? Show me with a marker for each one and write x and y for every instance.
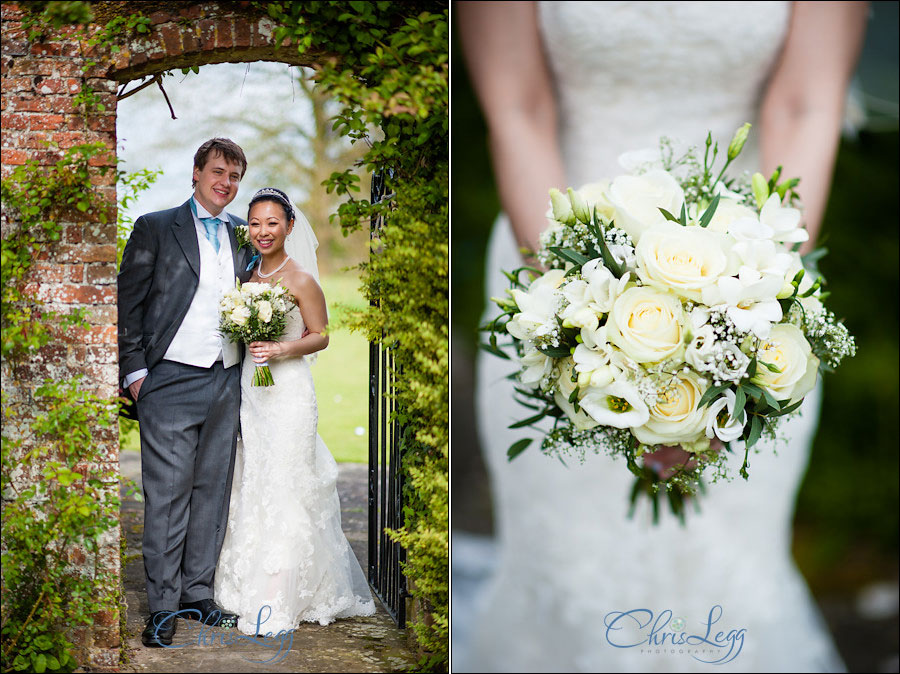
(242, 234)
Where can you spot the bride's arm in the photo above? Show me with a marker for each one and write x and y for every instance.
(311, 300)
(505, 58)
(803, 107)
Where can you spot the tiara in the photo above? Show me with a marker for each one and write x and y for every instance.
(278, 194)
(270, 191)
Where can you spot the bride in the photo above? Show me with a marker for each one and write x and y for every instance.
(285, 559)
(566, 88)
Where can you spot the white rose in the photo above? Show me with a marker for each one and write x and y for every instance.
(646, 324)
(240, 315)
(637, 200)
(264, 311)
(720, 421)
(727, 212)
(676, 418)
(787, 349)
(682, 259)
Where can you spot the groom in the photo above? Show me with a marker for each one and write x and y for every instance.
(185, 380)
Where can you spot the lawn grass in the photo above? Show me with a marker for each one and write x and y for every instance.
(341, 377)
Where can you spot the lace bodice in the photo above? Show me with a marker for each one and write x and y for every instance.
(625, 74)
(294, 325)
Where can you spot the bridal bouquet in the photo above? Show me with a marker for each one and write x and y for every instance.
(254, 312)
(674, 311)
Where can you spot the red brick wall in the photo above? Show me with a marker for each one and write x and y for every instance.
(39, 83)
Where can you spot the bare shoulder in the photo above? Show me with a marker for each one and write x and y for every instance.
(301, 284)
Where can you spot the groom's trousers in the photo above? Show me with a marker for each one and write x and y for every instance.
(188, 419)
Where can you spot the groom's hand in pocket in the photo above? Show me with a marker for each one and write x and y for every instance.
(135, 388)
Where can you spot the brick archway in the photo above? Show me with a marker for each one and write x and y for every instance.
(40, 82)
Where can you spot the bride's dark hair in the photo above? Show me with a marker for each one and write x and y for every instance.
(276, 196)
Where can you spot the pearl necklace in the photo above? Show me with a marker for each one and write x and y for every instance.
(280, 267)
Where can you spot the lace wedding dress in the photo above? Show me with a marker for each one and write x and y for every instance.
(284, 548)
(567, 556)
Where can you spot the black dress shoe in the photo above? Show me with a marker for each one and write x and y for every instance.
(160, 629)
(207, 612)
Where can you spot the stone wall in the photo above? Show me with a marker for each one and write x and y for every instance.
(40, 82)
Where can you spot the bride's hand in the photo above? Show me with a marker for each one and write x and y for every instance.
(667, 461)
(265, 351)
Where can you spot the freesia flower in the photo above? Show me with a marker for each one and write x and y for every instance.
(537, 307)
(783, 220)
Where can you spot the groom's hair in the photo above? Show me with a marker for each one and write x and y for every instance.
(224, 146)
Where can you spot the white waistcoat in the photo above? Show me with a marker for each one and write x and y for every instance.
(198, 341)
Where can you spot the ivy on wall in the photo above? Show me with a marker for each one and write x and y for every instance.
(390, 70)
(70, 500)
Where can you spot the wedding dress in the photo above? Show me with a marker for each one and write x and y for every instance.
(284, 548)
(567, 556)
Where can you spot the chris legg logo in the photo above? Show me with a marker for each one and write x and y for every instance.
(664, 633)
(282, 641)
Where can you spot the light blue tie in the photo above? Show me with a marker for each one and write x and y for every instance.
(212, 231)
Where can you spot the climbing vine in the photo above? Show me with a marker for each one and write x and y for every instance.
(389, 70)
(59, 499)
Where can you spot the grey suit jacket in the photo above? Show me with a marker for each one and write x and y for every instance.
(157, 280)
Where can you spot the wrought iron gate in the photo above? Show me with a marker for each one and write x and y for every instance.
(385, 476)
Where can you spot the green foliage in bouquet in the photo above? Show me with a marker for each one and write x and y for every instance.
(386, 63)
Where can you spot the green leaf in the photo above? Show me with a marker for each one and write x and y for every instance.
(770, 400)
(811, 259)
(555, 351)
(668, 216)
(740, 400)
(711, 394)
(568, 254)
(707, 216)
(517, 448)
(609, 261)
(786, 410)
(530, 420)
(40, 663)
(494, 350)
(754, 390)
(684, 214)
(756, 426)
